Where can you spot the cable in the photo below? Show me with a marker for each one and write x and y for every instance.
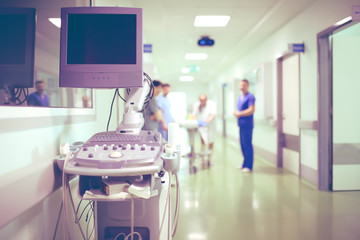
(66, 187)
(58, 220)
(169, 211)
(82, 212)
(132, 218)
(73, 206)
(18, 92)
(132, 232)
(66, 226)
(121, 96)
(87, 226)
(163, 217)
(111, 107)
(148, 97)
(177, 206)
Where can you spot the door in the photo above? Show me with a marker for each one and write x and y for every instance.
(289, 112)
(346, 110)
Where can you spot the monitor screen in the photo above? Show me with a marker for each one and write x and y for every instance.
(101, 47)
(17, 47)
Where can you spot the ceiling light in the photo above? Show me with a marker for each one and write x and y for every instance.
(55, 21)
(196, 56)
(341, 22)
(211, 21)
(190, 68)
(185, 70)
(186, 78)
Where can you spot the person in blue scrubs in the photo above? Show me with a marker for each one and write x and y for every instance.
(164, 104)
(152, 113)
(245, 118)
(38, 98)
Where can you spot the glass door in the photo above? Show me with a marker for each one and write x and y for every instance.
(346, 108)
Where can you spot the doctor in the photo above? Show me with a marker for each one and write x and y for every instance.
(245, 118)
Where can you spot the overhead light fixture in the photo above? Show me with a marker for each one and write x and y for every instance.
(186, 78)
(185, 70)
(56, 21)
(211, 21)
(190, 68)
(341, 22)
(196, 56)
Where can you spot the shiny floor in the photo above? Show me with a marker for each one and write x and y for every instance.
(267, 204)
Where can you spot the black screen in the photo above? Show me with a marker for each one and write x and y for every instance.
(101, 39)
(12, 39)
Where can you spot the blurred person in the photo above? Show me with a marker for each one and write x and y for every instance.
(164, 104)
(245, 118)
(152, 113)
(205, 111)
(38, 98)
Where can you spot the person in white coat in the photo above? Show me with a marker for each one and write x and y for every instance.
(205, 111)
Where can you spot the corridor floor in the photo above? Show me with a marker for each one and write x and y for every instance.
(267, 204)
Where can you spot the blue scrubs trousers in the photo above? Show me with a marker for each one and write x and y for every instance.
(247, 147)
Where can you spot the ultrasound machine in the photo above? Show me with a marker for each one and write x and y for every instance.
(126, 172)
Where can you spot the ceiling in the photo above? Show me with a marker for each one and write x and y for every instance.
(168, 26)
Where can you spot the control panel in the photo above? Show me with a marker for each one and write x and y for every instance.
(112, 150)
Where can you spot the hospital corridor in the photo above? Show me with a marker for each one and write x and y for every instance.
(179, 120)
(270, 203)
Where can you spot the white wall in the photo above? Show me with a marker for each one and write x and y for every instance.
(303, 28)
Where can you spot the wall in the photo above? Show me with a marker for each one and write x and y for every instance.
(303, 28)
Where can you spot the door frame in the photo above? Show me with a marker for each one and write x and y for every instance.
(325, 103)
(282, 139)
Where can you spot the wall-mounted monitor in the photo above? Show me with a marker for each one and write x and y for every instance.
(101, 47)
(17, 47)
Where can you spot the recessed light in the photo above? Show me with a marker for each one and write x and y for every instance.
(211, 21)
(196, 56)
(185, 70)
(186, 78)
(56, 21)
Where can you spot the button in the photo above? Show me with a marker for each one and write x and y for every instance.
(91, 155)
(85, 149)
(115, 155)
(114, 147)
(132, 147)
(106, 147)
(142, 148)
(152, 148)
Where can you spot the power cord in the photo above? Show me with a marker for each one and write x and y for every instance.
(64, 149)
(111, 107)
(66, 225)
(132, 233)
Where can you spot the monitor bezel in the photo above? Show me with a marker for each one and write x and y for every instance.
(77, 75)
(18, 71)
